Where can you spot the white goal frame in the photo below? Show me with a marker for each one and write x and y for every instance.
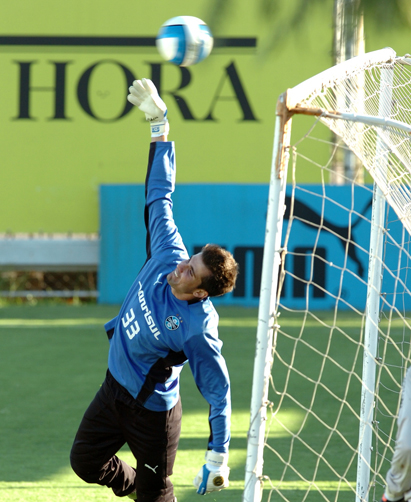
(290, 103)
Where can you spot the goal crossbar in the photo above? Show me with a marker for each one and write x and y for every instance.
(327, 79)
(383, 122)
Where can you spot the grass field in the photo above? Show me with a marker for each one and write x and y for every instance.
(54, 357)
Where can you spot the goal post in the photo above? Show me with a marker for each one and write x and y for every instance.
(373, 300)
(366, 102)
(268, 298)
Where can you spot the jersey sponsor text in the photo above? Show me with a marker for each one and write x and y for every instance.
(149, 319)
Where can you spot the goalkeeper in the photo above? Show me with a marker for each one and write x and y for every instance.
(398, 477)
(166, 320)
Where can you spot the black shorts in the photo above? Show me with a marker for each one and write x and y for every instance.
(113, 419)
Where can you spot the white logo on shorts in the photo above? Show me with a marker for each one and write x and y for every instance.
(151, 468)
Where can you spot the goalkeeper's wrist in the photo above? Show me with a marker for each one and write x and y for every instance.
(159, 128)
(215, 460)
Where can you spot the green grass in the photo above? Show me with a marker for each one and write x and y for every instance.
(54, 357)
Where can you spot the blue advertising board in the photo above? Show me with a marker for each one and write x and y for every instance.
(322, 267)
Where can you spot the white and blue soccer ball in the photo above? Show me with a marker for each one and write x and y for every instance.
(184, 40)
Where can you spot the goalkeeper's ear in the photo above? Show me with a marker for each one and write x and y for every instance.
(200, 293)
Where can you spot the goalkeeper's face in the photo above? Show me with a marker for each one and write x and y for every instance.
(187, 277)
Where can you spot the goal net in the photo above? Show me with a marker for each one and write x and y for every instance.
(333, 336)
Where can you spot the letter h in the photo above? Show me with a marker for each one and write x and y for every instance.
(59, 90)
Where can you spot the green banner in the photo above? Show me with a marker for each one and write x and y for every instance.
(66, 126)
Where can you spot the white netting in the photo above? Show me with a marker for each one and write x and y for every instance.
(380, 91)
(312, 433)
(330, 348)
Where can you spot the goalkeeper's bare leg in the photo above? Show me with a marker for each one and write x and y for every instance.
(398, 477)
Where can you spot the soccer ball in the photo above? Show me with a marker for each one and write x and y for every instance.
(184, 40)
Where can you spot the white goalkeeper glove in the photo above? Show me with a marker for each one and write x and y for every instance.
(213, 476)
(144, 95)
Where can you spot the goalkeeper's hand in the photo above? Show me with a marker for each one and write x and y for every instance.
(144, 95)
(213, 476)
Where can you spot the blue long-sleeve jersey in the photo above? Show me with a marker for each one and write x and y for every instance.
(155, 333)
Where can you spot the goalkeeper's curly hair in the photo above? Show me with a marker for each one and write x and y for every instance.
(223, 268)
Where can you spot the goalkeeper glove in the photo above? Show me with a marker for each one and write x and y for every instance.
(144, 95)
(213, 476)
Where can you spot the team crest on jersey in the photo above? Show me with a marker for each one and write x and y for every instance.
(172, 322)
